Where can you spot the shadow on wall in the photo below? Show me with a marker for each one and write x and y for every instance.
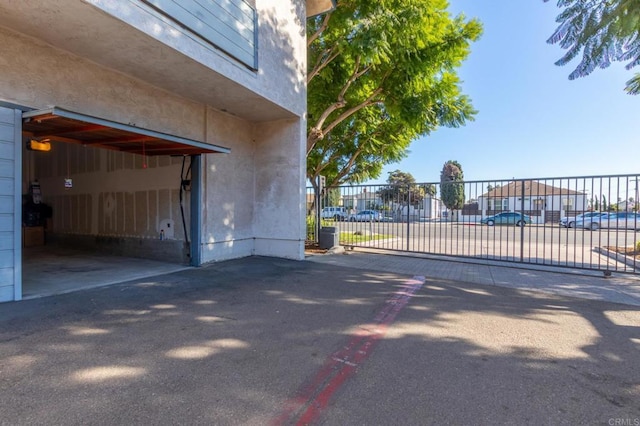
(274, 37)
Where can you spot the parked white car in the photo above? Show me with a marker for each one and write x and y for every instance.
(622, 220)
(570, 222)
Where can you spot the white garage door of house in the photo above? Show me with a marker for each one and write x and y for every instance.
(10, 204)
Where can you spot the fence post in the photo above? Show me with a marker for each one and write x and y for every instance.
(321, 185)
(523, 223)
(316, 238)
(408, 213)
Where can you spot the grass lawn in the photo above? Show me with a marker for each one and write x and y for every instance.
(350, 238)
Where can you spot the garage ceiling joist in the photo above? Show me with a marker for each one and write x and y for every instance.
(57, 124)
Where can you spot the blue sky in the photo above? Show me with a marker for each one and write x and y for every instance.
(532, 120)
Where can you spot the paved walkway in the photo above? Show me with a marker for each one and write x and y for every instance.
(619, 288)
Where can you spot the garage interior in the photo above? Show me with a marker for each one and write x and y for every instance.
(104, 202)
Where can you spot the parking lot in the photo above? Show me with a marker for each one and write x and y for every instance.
(268, 341)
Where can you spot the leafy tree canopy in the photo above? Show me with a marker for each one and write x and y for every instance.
(331, 197)
(402, 188)
(380, 74)
(605, 31)
(452, 193)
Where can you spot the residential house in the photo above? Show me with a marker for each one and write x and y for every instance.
(365, 200)
(627, 206)
(172, 130)
(545, 203)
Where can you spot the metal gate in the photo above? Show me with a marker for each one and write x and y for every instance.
(588, 222)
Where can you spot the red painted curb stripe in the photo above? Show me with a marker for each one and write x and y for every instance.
(307, 406)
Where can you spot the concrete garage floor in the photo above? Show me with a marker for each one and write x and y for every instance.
(50, 270)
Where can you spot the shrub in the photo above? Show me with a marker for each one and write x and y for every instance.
(311, 227)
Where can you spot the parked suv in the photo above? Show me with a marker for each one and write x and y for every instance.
(337, 213)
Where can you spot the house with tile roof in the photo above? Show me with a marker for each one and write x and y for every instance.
(544, 202)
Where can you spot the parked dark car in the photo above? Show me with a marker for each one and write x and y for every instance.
(507, 218)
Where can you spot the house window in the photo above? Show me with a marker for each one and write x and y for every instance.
(527, 203)
(567, 204)
(538, 204)
(498, 204)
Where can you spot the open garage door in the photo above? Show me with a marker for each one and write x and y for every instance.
(67, 126)
(114, 190)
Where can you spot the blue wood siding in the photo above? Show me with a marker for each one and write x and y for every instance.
(230, 25)
(10, 223)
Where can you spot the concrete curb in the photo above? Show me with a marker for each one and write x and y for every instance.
(627, 260)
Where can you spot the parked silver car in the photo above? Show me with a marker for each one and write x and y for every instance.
(366, 216)
(621, 220)
(570, 222)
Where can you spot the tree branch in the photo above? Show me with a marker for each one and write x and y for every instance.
(342, 173)
(323, 63)
(323, 26)
(369, 101)
(340, 103)
(317, 132)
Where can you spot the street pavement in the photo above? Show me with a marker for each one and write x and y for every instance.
(590, 284)
(378, 341)
(542, 245)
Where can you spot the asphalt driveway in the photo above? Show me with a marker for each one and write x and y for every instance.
(268, 341)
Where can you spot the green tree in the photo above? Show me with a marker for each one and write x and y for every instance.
(451, 190)
(429, 189)
(331, 197)
(381, 74)
(402, 188)
(491, 187)
(605, 31)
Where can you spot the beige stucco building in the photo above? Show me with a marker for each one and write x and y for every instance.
(176, 132)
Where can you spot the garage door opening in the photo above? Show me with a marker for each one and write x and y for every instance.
(105, 202)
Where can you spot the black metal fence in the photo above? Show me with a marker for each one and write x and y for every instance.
(588, 222)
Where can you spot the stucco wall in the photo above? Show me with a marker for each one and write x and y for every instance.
(262, 214)
(282, 53)
(128, 37)
(38, 75)
(229, 185)
(279, 222)
(250, 197)
(281, 47)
